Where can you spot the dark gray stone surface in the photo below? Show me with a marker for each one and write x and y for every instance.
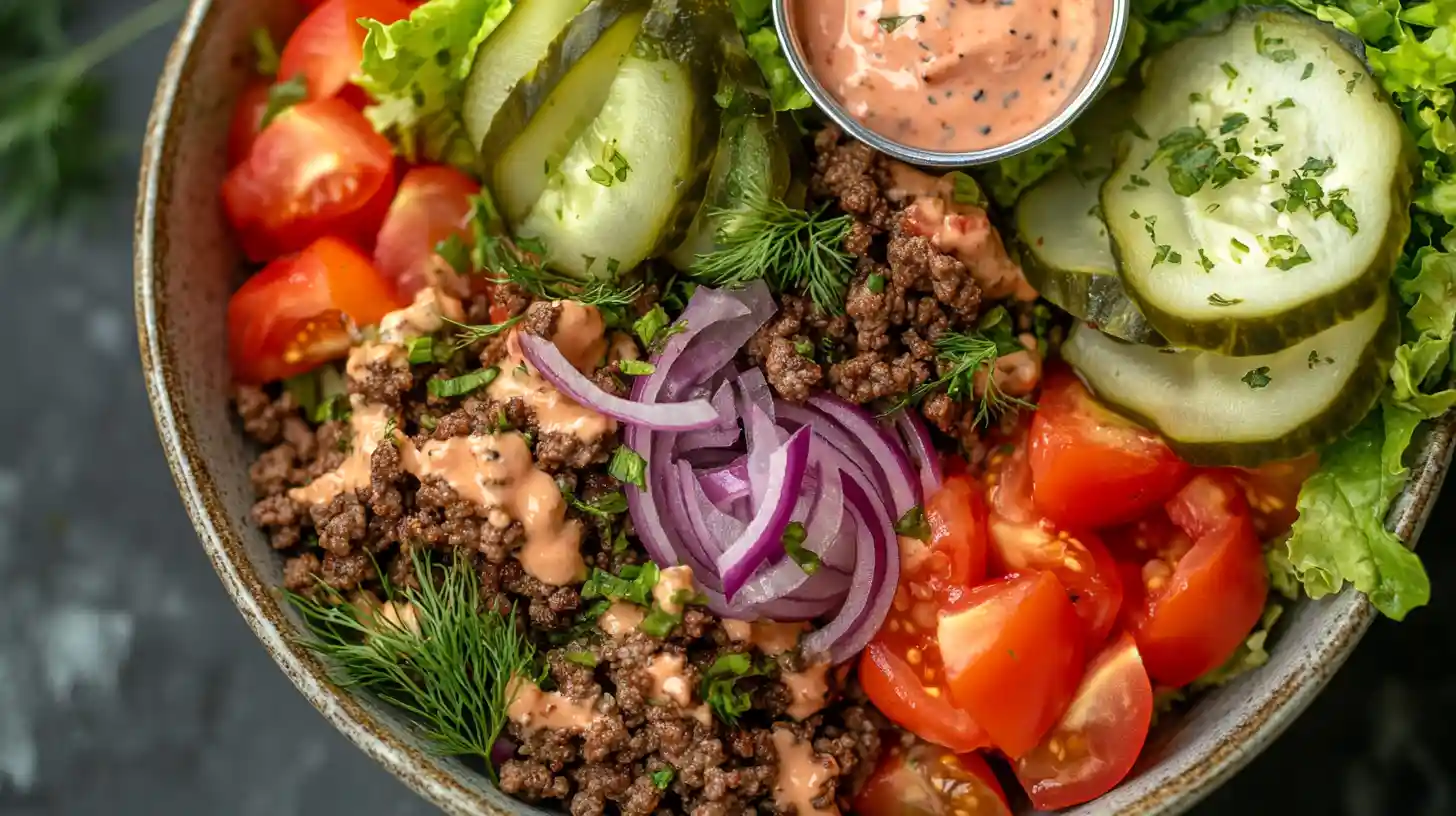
(129, 685)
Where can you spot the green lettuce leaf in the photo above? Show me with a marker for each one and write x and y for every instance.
(1340, 535)
(1250, 655)
(784, 88)
(416, 70)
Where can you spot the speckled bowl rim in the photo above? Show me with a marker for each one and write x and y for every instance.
(442, 782)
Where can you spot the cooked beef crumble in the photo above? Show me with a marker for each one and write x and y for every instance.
(619, 763)
(904, 293)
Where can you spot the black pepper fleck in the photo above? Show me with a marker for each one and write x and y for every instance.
(1047, 77)
(985, 130)
(1056, 13)
(932, 100)
(1009, 98)
(978, 95)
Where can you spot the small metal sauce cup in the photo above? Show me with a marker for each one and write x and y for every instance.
(1109, 42)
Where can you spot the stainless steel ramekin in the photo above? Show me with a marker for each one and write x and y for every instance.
(1115, 14)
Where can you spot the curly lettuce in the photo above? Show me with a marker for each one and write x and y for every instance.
(754, 22)
(1340, 536)
(416, 71)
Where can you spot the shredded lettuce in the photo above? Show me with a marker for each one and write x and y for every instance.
(784, 88)
(1250, 655)
(416, 70)
(1340, 536)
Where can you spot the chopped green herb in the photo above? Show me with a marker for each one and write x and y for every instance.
(661, 779)
(1216, 299)
(875, 283)
(1269, 119)
(1308, 71)
(1315, 360)
(1285, 104)
(1135, 181)
(648, 326)
(913, 524)
(719, 686)
(793, 539)
(1230, 71)
(1204, 261)
(454, 252)
(612, 168)
(960, 356)
(282, 96)
(633, 583)
(603, 506)
(1233, 122)
(1240, 248)
(582, 658)
(889, 24)
(519, 262)
(636, 368)
(1257, 378)
(965, 190)
(464, 384)
(422, 350)
(266, 51)
(428, 422)
(659, 623)
(629, 467)
(804, 348)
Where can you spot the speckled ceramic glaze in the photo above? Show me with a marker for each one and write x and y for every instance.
(186, 265)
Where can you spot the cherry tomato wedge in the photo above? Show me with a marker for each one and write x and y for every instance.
(1021, 540)
(1089, 466)
(1198, 595)
(328, 46)
(1099, 737)
(1013, 650)
(927, 780)
(247, 121)
(433, 204)
(317, 169)
(1271, 491)
(901, 669)
(296, 313)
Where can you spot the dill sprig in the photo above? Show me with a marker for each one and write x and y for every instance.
(468, 334)
(518, 261)
(960, 356)
(55, 158)
(796, 250)
(450, 674)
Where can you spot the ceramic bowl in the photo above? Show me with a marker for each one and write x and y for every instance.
(186, 266)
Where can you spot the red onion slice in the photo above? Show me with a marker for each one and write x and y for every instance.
(876, 577)
(878, 446)
(763, 537)
(920, 448)
(660, 416)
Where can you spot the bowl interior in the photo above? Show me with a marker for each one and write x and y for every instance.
(187, 265)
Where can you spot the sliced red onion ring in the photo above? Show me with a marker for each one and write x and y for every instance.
(876, 577)
(725, 434)
(922, 451)
(661, 416)
(881, 449)
(763, 537)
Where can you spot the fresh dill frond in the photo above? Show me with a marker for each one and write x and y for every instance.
(448, 665)
(56, 157)
(796, 250)
(518, 261)
(467, 334)
(960, 356)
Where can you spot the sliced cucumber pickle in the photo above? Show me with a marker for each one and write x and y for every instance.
(631, 183)
(1270, 199)
(546, 112)
(752, 160)
(1216, 410)
(513, 52)
(1060, 236)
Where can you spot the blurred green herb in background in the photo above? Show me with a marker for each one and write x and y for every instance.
(55, 154)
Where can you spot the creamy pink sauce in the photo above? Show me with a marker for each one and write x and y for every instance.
(949, 74)
(496, 471)
(532, 708)
(803, 775)
(962, 230)
(668, 681)
(621, 618)
(808, 690)
(581, 337)
(674, 585)
(770, 637)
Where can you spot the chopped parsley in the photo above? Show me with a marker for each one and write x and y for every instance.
(650, 325)
(661, 779)
(1216, 299)
(1230, 71)
(793, 539)
(421, 350)
(464, 384)
(1204, 261)
(1257, 378)
(636, 368)
(1271, 47)
(875, 283)
(634, 583)
(603, 506)
(720, 688)
(659, 623)
(1308, 71)
(582, 658)
(629, 467)
(611, 169)
(1233, 122)
(913, 524)
(965, 190)
(1315, 360)
(889, 24)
